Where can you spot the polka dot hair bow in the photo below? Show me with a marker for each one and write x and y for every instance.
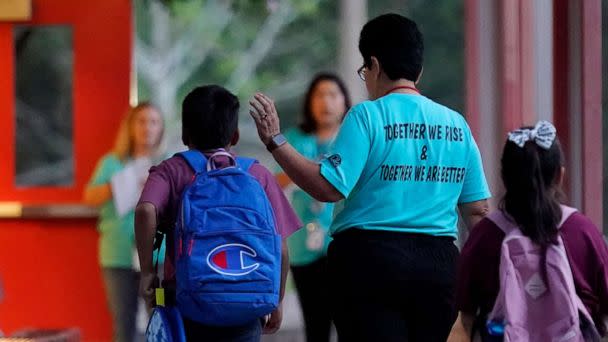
(543, 134)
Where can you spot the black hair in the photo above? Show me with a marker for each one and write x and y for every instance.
(397, 44)
(210, 117)
(309, 125)
(530, 175)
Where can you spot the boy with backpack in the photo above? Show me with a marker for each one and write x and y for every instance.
(535, 270)
(225, 219)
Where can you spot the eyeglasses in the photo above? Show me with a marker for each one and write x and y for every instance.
(361, 72)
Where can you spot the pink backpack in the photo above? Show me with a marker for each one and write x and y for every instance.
(534, 305)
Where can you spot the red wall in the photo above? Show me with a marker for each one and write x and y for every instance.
(49, 267)
(51, 278)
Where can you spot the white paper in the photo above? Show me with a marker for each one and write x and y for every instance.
(128, 184)
(136, 267)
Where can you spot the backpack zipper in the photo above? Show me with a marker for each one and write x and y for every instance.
(181, 235)
(190, 246)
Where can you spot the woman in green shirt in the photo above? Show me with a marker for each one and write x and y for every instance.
(139, 139)
(325, 104)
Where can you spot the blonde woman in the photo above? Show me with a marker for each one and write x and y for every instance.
(139, 136)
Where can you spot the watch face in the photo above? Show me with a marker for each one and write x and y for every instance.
(276, 141)
(279, 139)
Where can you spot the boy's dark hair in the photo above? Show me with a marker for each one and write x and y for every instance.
(210, 117)
(397, 44)
(309, 125)
(530, 175)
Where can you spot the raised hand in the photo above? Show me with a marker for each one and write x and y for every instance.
(264, 113)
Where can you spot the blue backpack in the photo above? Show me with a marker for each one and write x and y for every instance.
(228, 253)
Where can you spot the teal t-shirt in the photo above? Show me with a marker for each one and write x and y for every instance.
(117, 235)
(309, 243)
(404, 163)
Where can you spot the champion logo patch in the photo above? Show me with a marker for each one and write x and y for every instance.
(335, 160)
(233, 259)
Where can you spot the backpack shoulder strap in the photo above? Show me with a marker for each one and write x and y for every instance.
(504, 222)
(245, 163)
(566, 213)
(507, 224)
(196, 160)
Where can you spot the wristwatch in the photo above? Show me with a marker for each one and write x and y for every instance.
(275, 142)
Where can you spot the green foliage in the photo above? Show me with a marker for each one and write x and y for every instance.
(308, 44)
(303, 47)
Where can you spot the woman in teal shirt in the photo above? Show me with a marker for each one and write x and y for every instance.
(139, 137)
(325, 104)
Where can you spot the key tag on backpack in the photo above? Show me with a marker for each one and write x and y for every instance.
(315, 237)
(211, 165)
(160, 296)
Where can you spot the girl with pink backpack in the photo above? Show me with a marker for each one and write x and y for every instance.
(535, 270)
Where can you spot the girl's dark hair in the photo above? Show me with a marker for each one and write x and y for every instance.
(308, 124)
(530, 175)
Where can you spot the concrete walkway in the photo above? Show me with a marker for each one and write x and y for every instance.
(292, 327)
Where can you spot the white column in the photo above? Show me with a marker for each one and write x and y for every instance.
(536, 60)
(543, 58)
(489, 101)
(353, 15)
(575, 162)
(526, 40)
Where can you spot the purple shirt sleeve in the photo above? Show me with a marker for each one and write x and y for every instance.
(588, 257)
(164, 188)
(286, 219)
(157, 189)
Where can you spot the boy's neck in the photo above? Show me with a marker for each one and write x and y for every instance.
(211, 150)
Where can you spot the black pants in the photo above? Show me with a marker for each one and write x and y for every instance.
(196, 332)
(313, 291)
(389, 286)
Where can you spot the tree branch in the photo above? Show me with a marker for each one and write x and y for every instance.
(263, 42)
(161, 22)
(147, 63)
(206, 21)
(290, 87)
(150, 56)
(192, 50)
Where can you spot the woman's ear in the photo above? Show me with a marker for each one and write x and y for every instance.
(419, 76)
(375, 69)
(185, 140)
(235, 138)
